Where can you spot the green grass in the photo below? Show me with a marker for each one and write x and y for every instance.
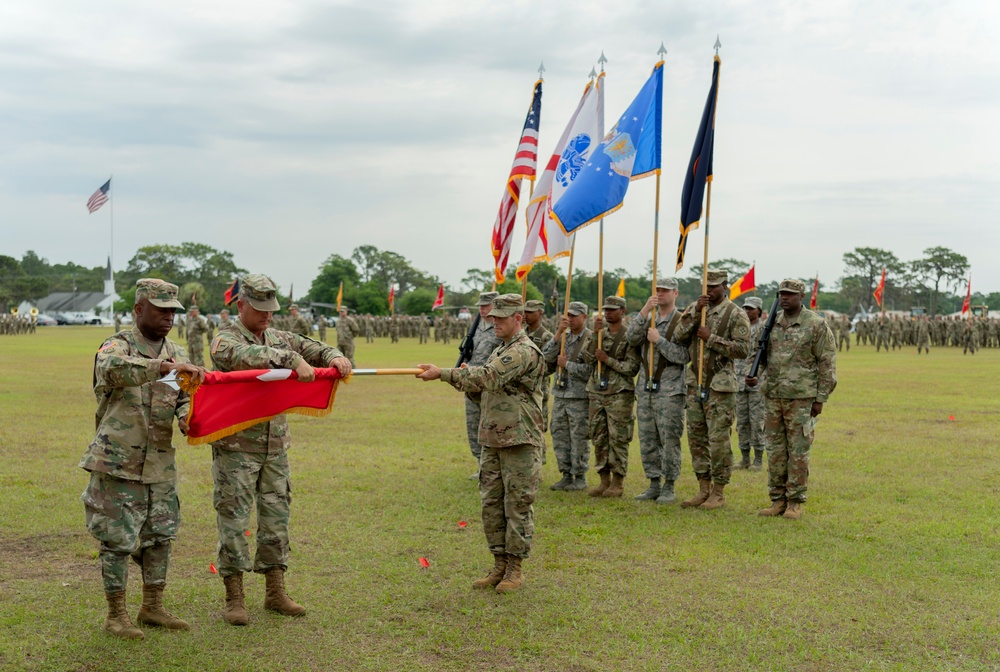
(893, 567)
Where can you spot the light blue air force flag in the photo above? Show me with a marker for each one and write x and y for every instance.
(629, 152)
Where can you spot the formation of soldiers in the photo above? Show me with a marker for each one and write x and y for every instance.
(14, 325)
(895, 332)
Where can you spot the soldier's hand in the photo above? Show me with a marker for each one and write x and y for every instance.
(562, 360)
(563, 324)
(751, 382)
(652, 335)
(651, 303)
(704, 332)
(702, 302)
(601, 356)
(183, 425)
(465, 365)
(305, 372)
(598, 323)
(429, 372)
(196, 373)
(817, 408)
(343, 365)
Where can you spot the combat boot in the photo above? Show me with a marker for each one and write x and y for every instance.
(496, 574)
(744, 463)
(605, 484)
(778, 507)
(579, 483)
(617, 487)
(512, 578)
(794, 511)
(118, 622)
(704, 490)
(152, 612)
(667, 495)
(652, 492)
(716, 500)
(567, 480)
(235, 612)
(276, 599)
(758, 460)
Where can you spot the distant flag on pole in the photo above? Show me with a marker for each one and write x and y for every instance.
(621, 288)
(880, 290)
(340, 295)
(233, 292)
(699, 171)
(554, 297)
(439, 301)
(98, 198)
(743, 285)
(967, 302)
(814, 299)
(525, 162)
(630, 151)
(392, 297)
(546, 241)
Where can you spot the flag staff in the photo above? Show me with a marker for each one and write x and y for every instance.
(600, 249)
(569, 283)
(708, 212)
(111, 256)
(662, 53)
(531, 195)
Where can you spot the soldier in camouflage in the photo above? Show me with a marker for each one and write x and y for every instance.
(844, 333)
(749, 402)
(659, 395)
(196, 328)
(250, 468)
(512, 438)
(612, 396)
(534, 311)
(224, 320)
(484, 342)
(347, 329)
(131, 501)
(801, 375)
(923, 335)
(711, 405)
(570, 400)
(299, 323)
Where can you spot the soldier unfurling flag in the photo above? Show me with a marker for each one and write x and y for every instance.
(525, 161)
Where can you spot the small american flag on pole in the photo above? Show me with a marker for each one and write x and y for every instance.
(525, 161)
(99, 198)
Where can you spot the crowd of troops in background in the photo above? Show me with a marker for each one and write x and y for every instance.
(12, 325)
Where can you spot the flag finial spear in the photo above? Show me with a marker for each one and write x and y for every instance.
(593, 73)
(717, 45)
(541, 69)
(662, 51)
(602, 60)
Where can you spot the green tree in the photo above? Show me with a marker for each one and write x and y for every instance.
(326, 285)
(865, 265)
(940, 265)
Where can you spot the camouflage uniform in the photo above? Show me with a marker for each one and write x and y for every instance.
(321, 325)
(252, 465)
(299, 323)
(196, 328)
(844, 333)
(749, 402)
(540, 337)
(710, 421)
(570, 402)
(347, 329)
(801, 369)
(923, 336)
(484, 342)
(510, 434)
(131, 501)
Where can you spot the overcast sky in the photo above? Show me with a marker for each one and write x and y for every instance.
(288, 130)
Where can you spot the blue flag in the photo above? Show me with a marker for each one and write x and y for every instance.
(630, 151)
(699, 171)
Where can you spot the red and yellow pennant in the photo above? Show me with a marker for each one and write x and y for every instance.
(226, 403)
(743, 285)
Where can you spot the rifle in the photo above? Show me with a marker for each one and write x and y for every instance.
(467, 346)
(765, 334)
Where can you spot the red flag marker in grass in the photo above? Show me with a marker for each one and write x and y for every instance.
(211, 568)
(952, 418)
(462, 524)
(424, 563)
(247, 533)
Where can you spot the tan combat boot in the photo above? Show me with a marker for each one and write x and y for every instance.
(716, 500)
(778, 507)
(605, 484)
(235, 612)
(617, 487)
(152, 612)
(513, 578)
(276, 598)
(118, 622)
(496, 574)
(794, 511)
(704, 490)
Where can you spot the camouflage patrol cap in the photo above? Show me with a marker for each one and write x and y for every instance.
(717, 277)
(754, 302)
(533, 306)
(294, 306)
(614, 303)
(486, 298)
(506, 305)
(159, 293)
(666, 283)
(343, 308)
(577, 308)
(260, 291)
(792, 285)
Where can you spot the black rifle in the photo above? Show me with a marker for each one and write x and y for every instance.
(467, 346)
(760, 358)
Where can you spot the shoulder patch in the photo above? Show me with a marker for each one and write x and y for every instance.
(106, 346)
(215, 344)
(506, 359)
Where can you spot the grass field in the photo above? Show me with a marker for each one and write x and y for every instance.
(893, 567)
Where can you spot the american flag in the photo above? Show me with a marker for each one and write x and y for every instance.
(99, 198)
(525, 160)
